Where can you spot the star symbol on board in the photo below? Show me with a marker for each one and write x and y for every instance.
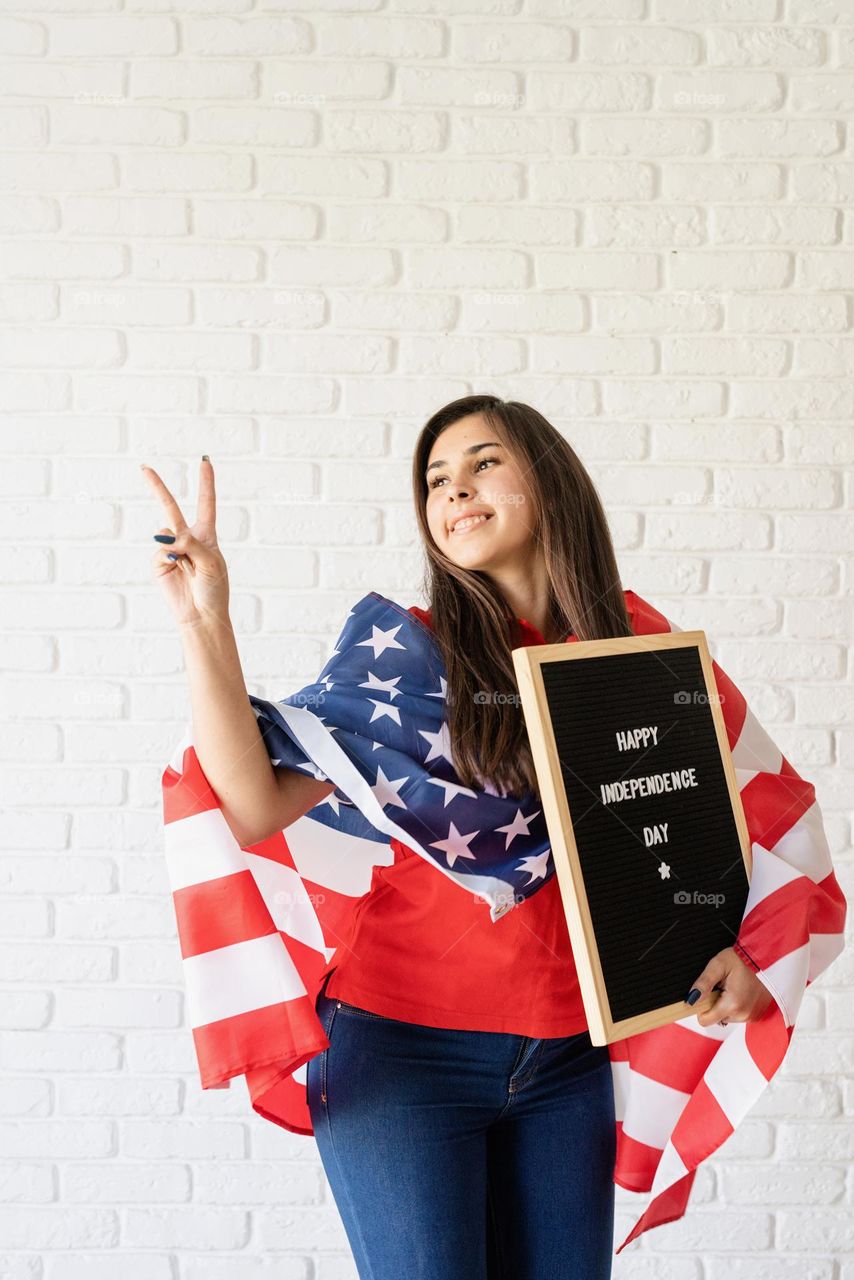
(456, 845)
(535, 865)
(386, 791)
(518, 827)
(440, 744)
(444, 689)
(387, 686)
(664, 870)
(452, 790)
(381, 640)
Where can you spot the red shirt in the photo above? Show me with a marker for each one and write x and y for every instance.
(421, 949)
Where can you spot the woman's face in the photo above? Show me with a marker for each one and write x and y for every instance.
(488, 479)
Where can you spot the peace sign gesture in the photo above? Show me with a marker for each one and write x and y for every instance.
(196, 583)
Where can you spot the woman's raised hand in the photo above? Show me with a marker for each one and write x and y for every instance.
(196, 584)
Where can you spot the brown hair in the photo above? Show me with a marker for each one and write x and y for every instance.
(472, 622)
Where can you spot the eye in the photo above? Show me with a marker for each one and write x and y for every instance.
(434, 482)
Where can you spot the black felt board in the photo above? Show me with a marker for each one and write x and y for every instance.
(651, 947)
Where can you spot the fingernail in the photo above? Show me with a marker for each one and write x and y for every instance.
(163, 537)
(693, 995)
(205, 458)
(172, 556)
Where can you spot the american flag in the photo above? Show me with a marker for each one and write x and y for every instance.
(257, 925)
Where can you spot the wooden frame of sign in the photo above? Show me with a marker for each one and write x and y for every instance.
(641, 930)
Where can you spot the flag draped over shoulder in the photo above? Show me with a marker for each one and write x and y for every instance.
(258, 924)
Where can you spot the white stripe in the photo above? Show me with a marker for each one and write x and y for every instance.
(786, 979)
(621, 1080)
(769, 873)
(176, 760)
(732, 1076)
(743, 776)
(334, 859)
(201, 847)
(287, 899)
(805, 845)
(651, 1109)
(669, 1169)
(754, 748)
(317, 742)
(240, 979)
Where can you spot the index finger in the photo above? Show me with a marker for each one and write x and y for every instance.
(206, 508)
(174, 518)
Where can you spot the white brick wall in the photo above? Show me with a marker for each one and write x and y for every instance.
(284, 236)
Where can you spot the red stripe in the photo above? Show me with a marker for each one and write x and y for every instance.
(187, 793)
(732, 704)
(285, 1034)
(281, 1099)
(767, 1040)
(672, 1055)
(645, 618)
(773, 804)
(218, 913)
(666, 1207)
(636, 1162)
(701, 1128)
(785, 919)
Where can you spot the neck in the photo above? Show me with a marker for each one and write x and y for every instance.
(526, 590)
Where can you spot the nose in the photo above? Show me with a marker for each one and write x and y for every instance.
(459, 494)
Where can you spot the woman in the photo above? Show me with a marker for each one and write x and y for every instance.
(464, 1119)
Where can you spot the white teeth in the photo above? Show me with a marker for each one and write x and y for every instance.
(468, 523)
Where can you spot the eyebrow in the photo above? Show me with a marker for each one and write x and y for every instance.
(474, 448)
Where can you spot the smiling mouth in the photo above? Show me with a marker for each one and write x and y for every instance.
(471, 522)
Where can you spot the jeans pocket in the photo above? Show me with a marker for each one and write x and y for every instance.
(325, 1008)
(358, 1012)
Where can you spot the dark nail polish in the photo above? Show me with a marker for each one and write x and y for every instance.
(693, 995)
(205, 458)
(171, 556)
(163, 537)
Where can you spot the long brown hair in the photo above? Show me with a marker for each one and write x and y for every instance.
(472, 622)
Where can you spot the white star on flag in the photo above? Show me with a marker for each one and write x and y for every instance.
(384, 709)
(440, 744)
(456, 845)
(452, 790)
(386, 791)
(381, 640)
(518, 827)
(536, 865)
(387, 686)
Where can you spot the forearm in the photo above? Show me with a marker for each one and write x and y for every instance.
(226, 737)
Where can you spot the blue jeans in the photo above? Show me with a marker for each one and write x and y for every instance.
(465, 1155)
